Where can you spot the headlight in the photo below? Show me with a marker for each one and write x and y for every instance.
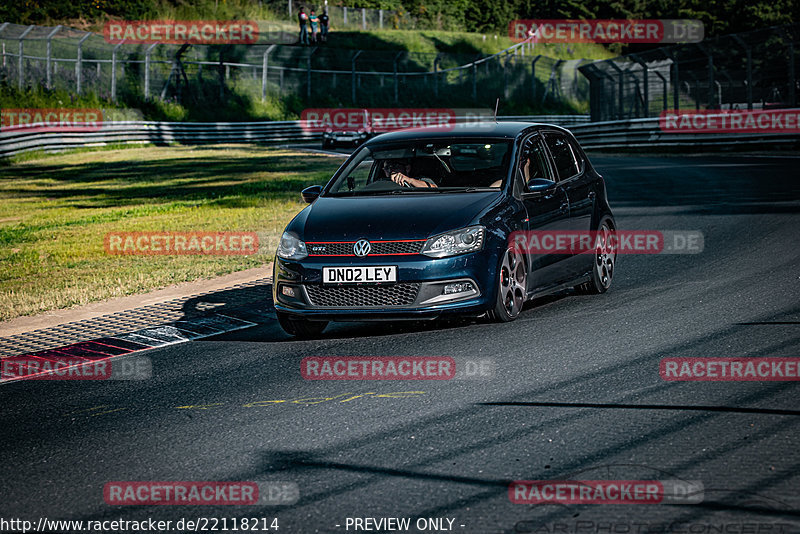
(291, 248)
(456, 242)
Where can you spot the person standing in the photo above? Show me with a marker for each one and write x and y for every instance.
(303, 18)
(314, 20)
(323, 25)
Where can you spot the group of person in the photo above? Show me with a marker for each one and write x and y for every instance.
(319, 26)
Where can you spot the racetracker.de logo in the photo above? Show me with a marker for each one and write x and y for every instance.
(200, 493)
(58, 367)
(776, 369)
(607, 31)
(378, 368)
(180, 243)
(618, 241)
(731, 121)
(605, 492)
(181, 31)
(51, 120)
(375, 120)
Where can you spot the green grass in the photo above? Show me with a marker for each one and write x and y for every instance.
(54, 213)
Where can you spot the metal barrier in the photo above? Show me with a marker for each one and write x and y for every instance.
(162, 133)
(646, 133)
(158, 133)
(628, 134)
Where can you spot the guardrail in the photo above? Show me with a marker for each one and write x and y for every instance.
(627, 134)
(163, 133)
(157, 133)
(646, 133)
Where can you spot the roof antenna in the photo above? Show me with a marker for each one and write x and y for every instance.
(496, 105)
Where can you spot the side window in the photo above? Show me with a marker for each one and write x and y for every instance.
(358, 176)
(532, 161)
(580, 157)
(564, 159)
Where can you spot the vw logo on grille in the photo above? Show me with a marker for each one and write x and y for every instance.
(362, 247)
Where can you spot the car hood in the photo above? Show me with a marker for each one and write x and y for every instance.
(411, 216)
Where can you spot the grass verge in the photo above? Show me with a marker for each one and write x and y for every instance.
(55, 212)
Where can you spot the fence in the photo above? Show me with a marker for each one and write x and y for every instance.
(357, 18)
(350, 18)
(80, 62)
(754, 70)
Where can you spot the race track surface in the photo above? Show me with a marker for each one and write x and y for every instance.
(575, 393)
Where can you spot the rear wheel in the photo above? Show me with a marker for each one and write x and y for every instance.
(511, 287)
(605, 260)
(301, 328)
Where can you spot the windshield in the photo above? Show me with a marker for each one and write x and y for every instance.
(454, 165)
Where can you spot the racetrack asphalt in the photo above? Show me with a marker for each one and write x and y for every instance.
(575, 393)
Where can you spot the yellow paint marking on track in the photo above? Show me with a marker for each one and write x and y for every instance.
(403, 393)
(256, 404)
(357, 396)
(308, 401)
(87, 410)
(199, 406)
(109, 411)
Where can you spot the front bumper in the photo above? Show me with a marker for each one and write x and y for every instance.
(418, 293)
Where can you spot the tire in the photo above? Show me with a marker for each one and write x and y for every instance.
(605, 260)
(512, 277)
(300, 328)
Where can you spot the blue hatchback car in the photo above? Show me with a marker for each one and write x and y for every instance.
(417, 224)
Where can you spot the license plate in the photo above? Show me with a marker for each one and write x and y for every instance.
(359, 275)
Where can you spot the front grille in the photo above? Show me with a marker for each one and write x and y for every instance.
(345, 248)
(362, 296)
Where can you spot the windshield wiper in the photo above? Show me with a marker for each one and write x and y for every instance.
(475, 188)
(417, 190)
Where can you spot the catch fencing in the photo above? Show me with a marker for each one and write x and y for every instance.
(747, 71)
(205, 75)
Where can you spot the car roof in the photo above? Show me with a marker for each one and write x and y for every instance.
(488, 129)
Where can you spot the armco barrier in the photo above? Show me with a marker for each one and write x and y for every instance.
(646, 133)
(158, 133)
(162, 133)
(627, 134)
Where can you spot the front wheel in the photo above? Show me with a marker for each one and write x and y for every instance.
(605, 260)
(511, 287)
(301, 328)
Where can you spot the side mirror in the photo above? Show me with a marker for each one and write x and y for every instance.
(539, 185)
(310, 194)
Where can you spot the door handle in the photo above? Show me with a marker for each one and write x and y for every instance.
(592, 194)
(564, 206)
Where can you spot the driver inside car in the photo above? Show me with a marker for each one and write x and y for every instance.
(398, 171)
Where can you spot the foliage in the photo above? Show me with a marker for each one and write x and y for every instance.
(719, 16)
